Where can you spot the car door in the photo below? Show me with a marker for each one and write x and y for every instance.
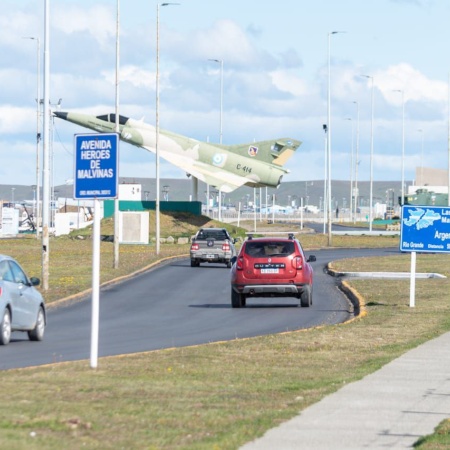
(24, 302)
(11, 293)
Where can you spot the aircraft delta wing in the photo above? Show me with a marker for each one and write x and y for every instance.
(226, 167)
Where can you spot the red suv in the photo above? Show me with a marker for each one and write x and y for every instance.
(271, 267)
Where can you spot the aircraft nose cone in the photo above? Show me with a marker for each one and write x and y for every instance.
(61, 115)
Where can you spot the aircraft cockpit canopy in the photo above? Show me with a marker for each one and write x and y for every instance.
(112, 118)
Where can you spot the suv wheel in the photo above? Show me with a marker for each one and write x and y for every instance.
(237, 300)
(306, 297)
(194, 263)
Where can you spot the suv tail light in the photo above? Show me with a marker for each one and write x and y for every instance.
(195, 247)
(226, 247)
(297, 263)
(240, 263)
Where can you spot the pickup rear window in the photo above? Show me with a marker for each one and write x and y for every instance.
(217, 235)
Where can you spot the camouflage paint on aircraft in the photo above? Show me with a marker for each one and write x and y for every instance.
(226, 167)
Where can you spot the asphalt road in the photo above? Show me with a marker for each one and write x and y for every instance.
(175, 305)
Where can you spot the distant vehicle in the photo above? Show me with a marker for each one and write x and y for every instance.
(271, 267)
(424, 197)
(22, 307)
(212, 245)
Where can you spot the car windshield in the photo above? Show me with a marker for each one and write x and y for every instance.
(273, 248)
(212, 234)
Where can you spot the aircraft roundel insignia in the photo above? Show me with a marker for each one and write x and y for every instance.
(219, 159)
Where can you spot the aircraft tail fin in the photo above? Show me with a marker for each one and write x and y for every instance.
(276, 151)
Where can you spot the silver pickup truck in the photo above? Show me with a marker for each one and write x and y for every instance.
(212, 245)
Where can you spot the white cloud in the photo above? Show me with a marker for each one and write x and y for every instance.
(97, 20)
(416, 85)
(289, 82)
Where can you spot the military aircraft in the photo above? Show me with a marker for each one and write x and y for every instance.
(225, 167)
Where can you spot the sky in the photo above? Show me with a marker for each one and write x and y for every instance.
(388, 71)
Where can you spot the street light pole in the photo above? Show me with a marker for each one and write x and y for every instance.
(329, 135)
(356, 159)
(402, 201)
(325, 202)
(117, 130)
(448, 144)
(38, 135)
(421, 159)
(220, 61)
(371, 160)
(351, 171)
(157, 200)
(46, 153)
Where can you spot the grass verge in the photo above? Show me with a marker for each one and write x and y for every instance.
(215, 396)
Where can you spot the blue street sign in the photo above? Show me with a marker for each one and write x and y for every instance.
(425, 229)
(96, 166)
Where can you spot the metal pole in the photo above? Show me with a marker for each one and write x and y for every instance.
(351, 172)
(254, 210)
(402, 189)
(448, 168)
(421, 161)
(356, 159)
(117, 130)
(325, 202)
(329, 135)
(329, 142)
(95, 306)
(403, 149)
(371, 165)
(157, 201)
(46, 155)
(157, 206)
(221, 100)
(371, 161)
(38, 136)
(220, 61)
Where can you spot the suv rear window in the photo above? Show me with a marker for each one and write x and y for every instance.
(273, 248)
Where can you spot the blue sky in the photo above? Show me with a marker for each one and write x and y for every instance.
(275, 79)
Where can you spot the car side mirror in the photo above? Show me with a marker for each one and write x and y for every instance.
(311, 258)
(35, 281)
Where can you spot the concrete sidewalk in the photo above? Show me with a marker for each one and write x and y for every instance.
(391, 408)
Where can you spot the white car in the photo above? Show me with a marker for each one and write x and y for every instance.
(22, 307)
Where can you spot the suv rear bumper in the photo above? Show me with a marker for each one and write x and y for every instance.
(270, 290)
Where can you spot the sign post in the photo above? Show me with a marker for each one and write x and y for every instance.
(95, 178)
(425, 229)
